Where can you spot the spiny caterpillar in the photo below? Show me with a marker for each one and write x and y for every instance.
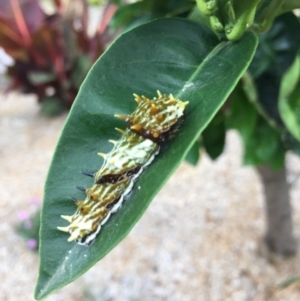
(148, 127)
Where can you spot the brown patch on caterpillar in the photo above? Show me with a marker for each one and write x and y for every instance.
(153, 122)
(112, 204)
(112, 178)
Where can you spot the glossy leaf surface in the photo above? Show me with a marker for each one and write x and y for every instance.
(171, 55)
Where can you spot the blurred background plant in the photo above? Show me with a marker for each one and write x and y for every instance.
(29, 225)
(51, 52)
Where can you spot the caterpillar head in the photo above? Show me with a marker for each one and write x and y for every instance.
(153, 118)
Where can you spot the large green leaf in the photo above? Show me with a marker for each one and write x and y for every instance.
(171, 55)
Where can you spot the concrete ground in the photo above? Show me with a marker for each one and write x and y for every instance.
(197, 241)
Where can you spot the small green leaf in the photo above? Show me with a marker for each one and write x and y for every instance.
(289, 282)
(267, 11)
(194, 154)
(278, 47)
(264, 146)
(39, 78)
(289, 99)
(171, 55)
(129, 12)
(290, 79)
(230, 17)
(244, 13)
(81, 68)
(134, 14)
(52, 106)
(241, 114)
(213, 137)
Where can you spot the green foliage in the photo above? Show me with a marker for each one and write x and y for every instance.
(275, 54)
(260, 91)
(264, 146)
(277, 48)
(260, 110)
(268, 10)
(95, 2)
(241, 114)
(231, 18)
(134, 14)
(289, 282)
(262, 143)
(193, 155)
(289, 99)
(171, 55)
(51, 106)
(213, 136)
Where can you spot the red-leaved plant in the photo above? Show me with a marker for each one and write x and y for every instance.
(52, 53)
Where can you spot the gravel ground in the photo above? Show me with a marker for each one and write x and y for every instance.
(197, 241)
